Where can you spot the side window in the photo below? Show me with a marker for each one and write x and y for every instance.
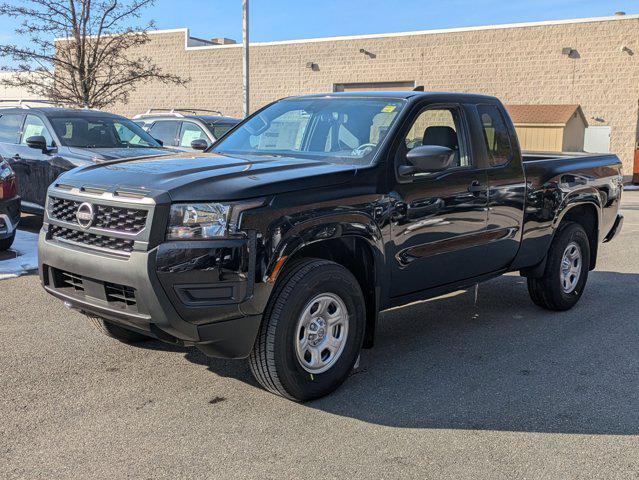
(496, 135)
(442, 127)
(33, 126)
(165, 131)
(10, 128)
(191, 131)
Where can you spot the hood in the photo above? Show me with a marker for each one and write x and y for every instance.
(104, 154)
(210, 176)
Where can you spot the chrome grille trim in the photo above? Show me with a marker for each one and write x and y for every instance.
(108, 218)
(91, 240)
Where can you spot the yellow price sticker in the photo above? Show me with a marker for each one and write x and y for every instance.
(389, 108)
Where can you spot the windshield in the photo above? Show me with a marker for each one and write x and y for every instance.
(340, 130)
(92, 131)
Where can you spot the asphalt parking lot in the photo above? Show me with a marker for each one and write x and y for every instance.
(453, 389)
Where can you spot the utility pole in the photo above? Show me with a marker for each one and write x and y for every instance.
(245, 55)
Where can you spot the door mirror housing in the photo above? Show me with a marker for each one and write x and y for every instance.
(38, 142)
(427, 159)
(199, 144)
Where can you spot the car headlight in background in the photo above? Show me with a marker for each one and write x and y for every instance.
(199, 221)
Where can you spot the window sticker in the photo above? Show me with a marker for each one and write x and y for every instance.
(389, 108)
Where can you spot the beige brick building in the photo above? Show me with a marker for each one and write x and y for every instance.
(590, 62)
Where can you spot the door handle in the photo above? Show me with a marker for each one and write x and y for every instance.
(476, 187)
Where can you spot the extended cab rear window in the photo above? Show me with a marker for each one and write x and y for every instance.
(496, 136)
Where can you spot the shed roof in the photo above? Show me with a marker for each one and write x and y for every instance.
(544, 114)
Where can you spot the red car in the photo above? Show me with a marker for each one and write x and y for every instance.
(9, 206)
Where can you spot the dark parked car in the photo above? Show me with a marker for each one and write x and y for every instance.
(285, 241)
(185, 129)
(9, 206)
(41, 143)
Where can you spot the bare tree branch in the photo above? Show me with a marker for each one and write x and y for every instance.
(81, 52)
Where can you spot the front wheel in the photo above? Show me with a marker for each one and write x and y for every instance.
(566, 271)
(312, 331)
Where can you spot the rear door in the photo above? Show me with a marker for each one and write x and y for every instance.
(10, 129)
(506, 186)
(166, 131)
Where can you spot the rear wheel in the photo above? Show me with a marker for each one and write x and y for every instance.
(5, 244)
(566, 272)
(312, 331)
(115, 331)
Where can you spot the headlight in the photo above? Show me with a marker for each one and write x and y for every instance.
(198, 220)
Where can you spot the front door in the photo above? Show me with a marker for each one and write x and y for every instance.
(439, 219)
(42, 170)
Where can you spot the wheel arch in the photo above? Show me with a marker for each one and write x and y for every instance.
(359, 255)
(586, 213)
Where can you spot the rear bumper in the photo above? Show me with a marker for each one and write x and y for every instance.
(616, 228)
(187, 293)
(9, 216)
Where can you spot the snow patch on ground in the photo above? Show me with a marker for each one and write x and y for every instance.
(631, 187)
(25, 249)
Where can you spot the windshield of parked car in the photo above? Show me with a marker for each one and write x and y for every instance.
(340, 130)
(92, 131)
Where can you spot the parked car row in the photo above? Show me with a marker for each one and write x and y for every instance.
(39, 142)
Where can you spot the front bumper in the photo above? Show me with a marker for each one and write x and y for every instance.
(189, 293)
(9, 216)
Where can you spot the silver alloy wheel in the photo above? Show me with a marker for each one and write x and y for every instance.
(321, 333)
(571, 264)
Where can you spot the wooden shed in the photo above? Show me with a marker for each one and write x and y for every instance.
(549, 128)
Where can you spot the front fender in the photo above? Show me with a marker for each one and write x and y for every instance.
(323, 229)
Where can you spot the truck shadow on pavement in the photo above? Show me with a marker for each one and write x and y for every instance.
(499, 364)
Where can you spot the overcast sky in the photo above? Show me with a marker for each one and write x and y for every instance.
(292, 19)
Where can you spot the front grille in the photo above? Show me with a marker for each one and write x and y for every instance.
(91, 239)
(129, 220)
(120, 294)
(120, 297)
(71, 280)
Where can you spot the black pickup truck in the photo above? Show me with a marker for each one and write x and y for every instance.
(285, 240)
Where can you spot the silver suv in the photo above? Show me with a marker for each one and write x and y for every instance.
(185, 129)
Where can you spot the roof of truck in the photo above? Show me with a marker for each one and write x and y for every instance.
(470, 97)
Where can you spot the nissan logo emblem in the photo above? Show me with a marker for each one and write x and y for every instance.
(85, 215)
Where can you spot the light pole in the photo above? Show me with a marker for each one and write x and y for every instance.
(245, 55)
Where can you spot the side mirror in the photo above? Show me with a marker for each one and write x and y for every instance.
(199, 144)
(38, 142)
(427, 159)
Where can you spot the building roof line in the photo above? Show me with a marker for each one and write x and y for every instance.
(399, 34)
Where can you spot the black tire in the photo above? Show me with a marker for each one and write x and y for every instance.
(274, 360)
(547, 291)
(5, 244)
(115, 331)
